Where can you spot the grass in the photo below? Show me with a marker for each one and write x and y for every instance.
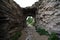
(52, 36)
(16, 36)
(42, 31)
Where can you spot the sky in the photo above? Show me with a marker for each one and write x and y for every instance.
(25, 3)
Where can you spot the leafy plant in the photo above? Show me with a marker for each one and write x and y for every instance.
(16, 36)
(42, 31)
(53, 36)
(30, 20)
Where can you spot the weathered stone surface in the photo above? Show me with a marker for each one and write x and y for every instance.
(11, 19)
(48, 15)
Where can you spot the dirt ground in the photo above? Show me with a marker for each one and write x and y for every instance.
(33, 33)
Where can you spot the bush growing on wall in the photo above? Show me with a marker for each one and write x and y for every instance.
(52, 36)
(16, 36)
(42, 31)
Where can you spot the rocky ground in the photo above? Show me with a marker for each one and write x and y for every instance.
(29, 33)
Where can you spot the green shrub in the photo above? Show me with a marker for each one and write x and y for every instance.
(16, 36)
(53, 36)
(42, 31)
(30, 20)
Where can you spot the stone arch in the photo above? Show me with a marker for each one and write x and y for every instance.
(29, 12)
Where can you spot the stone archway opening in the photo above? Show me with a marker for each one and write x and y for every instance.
(30, 21)
(30, 14)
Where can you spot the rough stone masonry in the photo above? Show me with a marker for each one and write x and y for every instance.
(12, 17)
(48, 15)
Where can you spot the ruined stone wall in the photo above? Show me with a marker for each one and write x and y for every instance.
(11, 19)
(48, 15)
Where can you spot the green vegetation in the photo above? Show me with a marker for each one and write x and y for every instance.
(30, 20)
(52, 36)
(16, 36)
(42, 31)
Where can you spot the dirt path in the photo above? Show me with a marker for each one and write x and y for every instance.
(29, 33)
